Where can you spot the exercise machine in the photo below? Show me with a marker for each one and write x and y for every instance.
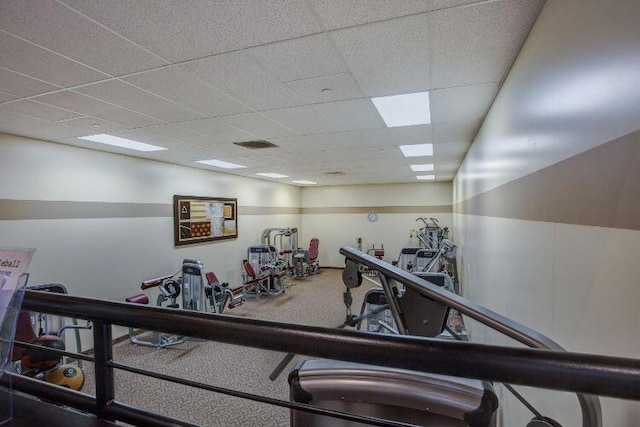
(268, 280)
(169, 290)
(200, 291)
(38, 362)
(417, 307)
(263, 271)
(285, 240)
(430, 234)
(376, 252)
(305, 262)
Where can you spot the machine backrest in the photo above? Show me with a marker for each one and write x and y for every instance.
(249, 269)
(313, 248)
(211, 278)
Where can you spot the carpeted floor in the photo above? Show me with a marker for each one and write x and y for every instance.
(315, 301)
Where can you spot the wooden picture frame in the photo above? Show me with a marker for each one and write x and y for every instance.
(199, 219)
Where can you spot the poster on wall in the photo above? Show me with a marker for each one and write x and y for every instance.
(204, 219)
(13, 264)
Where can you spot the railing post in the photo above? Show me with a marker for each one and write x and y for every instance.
(105, 385)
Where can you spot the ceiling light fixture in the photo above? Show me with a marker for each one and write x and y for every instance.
(220, 164)
(305, 182)
(272, 175)
(116, 141)
(404, 110)
(417, 150)
(422, 168)
(426, 177)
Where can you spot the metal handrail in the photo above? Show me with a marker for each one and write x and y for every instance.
(590, 405)
(602, 375)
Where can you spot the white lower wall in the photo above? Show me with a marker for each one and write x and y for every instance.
(109, 257)
(391, 230)
(576, 284)
(338, 215)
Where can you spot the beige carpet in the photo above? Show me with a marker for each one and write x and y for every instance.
(315, 301)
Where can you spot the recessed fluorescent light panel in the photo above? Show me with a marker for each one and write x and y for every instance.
(422, 168)
(404, 110)
(417, 150)
(302, 181)
(272, 175)
(220, 164)
(426, 177)
(116, 141)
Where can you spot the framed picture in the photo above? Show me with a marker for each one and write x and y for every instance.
(204, 219)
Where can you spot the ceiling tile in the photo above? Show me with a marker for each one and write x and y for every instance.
(297, 144)
(335, 87)
(301, 120)
(257, 125)
(26, 58)
(353, 139)
(4, 97)
(37, 109)
(446, 167)
(176, 30)
(217, 130)
(447, 4)
(300, 58)
(125, 95)
(185, 88)
(339, 13)
(89, 106)
(455, 131)
(450, 148)
(417, 134)
(58, 28)
(21, 85)
(180, 132)
(478, 43)
(238, 75)
(389, 57)
(251, 23)
(141, 135)
(350, 115)
(462, 103)
(94, 125)
(33, 127)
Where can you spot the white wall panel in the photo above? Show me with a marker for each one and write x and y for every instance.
(337, 230)
(109, 257)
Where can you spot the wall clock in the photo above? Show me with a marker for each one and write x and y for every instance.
(372, 216)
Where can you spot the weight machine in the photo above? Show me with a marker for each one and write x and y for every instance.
(285, 240)
(200, 290)
(413, 304)
(263, 272)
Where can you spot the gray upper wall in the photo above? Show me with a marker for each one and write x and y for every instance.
(574, 86)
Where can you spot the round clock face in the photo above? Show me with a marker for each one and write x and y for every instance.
(372, 217)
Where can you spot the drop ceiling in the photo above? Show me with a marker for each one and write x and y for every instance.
(196, 77)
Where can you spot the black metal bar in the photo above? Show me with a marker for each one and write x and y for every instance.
(264, 399)
(135, 416)
(105, 385)
(590, 405)
(59, 395)
(594, 374)
(496, 321)
(60, 353)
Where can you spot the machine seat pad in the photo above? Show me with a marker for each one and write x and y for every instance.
(138, 299)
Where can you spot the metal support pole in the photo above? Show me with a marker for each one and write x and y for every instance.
(105, 385)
